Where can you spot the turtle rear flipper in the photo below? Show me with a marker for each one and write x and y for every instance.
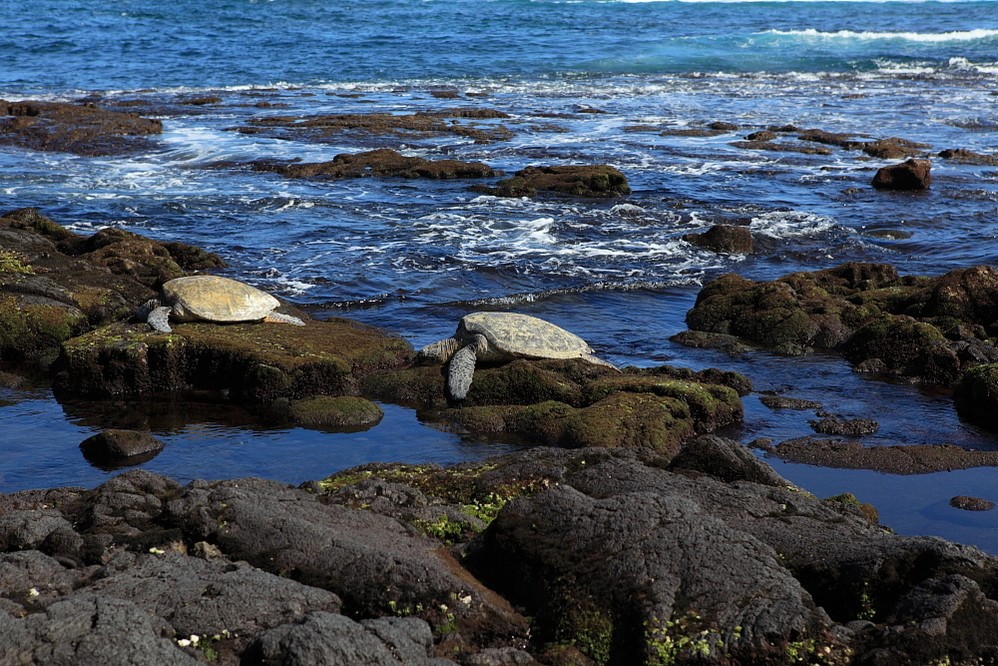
(159, 319)
(281, 318)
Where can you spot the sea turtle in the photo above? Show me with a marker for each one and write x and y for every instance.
(211, 298)
(500, 337)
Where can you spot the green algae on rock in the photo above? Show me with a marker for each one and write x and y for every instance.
(572, 403)
(343, 412)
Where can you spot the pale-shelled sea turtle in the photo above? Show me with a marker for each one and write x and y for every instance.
(211, 298)
(498, 337)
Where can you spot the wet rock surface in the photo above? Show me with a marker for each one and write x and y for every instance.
(615, 556)
(473, 123)
(723, 239)
(597, 181)
(83, 129)
(55, 284)
(380, 163)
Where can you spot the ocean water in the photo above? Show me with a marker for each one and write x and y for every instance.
(583, 82)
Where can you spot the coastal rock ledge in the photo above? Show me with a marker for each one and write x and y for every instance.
(547, 556)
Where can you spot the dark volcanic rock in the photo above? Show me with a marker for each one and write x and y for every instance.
(118, 446)
(909, 175)
(918, 459)
(774, 146)
(88, 629)
(580, 181)
(380, 163)
(723, 239)
(618, 556)
(84, 129)
(372, 562)
(334, 640)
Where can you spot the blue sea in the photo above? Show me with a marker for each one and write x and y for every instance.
(582, 82)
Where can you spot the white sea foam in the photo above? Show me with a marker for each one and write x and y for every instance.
(785, 224)
(931, 37)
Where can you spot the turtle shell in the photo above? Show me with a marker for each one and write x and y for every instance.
(523, 335)
(215, 298)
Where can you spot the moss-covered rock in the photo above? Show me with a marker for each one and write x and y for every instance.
(977, 395)
(251, 363)
(344, 412)
(55, 284)
(931, 329)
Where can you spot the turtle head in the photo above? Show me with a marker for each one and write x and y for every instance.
(142, 312)
(437, 352)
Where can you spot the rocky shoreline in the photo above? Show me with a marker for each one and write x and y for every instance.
(628, 533)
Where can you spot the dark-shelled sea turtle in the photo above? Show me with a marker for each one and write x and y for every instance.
(211, 298)
(498, 337)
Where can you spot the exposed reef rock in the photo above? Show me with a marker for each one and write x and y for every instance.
(932, 329)
(379, 163)
(415, 125)
(55, 284)
(598, 181)
(83, 129)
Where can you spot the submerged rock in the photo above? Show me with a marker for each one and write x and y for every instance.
(910, 459)
(84, 129)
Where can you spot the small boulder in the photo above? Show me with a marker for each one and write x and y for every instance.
(845, 427)
(977, 395)
(723, 239)
(909, 175)
(121, 446)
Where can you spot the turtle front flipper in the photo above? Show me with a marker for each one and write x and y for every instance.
(159, 319)
(462, 367)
